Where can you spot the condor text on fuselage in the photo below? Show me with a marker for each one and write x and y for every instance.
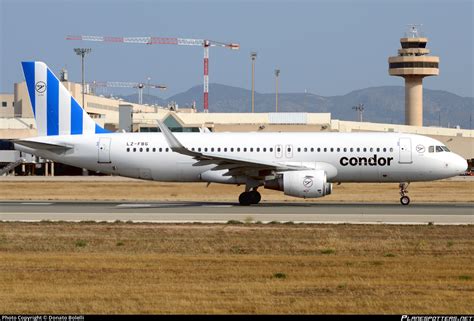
(364, 161)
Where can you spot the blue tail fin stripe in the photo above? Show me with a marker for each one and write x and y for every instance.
(29, 71)
(52, 110)
(76, 118)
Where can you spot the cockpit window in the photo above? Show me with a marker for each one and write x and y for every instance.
(431, 149)
(439, 149)
(446, 149)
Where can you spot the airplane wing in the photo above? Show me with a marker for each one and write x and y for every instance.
(234, 164)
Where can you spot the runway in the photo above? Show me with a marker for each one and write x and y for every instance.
(220, 212)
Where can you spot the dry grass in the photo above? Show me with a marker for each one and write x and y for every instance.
(151, 268)
(438, 191)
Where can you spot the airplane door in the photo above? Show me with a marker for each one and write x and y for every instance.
(278, 151)
(104, 150)
(404, 145)
(289, 151)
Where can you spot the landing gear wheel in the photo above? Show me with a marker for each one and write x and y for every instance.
(255, 197)
(405, 200)
(245, 199)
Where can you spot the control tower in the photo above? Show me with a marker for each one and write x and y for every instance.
(413, 63)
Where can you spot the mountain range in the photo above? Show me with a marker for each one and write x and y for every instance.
(385, 104)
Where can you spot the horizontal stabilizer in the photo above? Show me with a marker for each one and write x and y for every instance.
(41, 145)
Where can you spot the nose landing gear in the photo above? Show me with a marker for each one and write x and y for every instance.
(404, 199)
(250, 197)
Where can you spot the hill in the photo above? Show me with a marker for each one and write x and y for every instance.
(385, 104)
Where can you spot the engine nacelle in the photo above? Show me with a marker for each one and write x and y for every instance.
(305, 184)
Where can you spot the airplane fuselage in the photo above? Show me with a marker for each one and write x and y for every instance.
(345, 157)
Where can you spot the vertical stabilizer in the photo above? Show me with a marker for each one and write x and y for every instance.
(56, 111)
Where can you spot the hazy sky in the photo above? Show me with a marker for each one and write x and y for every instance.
(325, 47)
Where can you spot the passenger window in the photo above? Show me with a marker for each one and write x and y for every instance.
(289, 149)
(358, 149)
(325, 149)
(384, 150)
(245, 149)
(225, 149)
(166, 149)
(439, 149)
(232, 149)
(305, 149)
(199, 149)
(251, 149)
(312, 149)
(378, 149)
(332, 149)
(431, 149)
(299, 149)
(352, 149)
(154, 149)
(218, 149)
(371, 149)
(271, 149)
(147, 149)
(134, 149)
(345, 149)
(205, 149)
(391, 149)
(365, 149)
(319, 149)
(128, 149)
(141, 149)
(212, 149)
(338, 149)
(238, 149)
(264, 149)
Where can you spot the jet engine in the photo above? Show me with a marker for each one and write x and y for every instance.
(305, 184)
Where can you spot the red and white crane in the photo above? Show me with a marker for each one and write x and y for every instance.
(127, 84)
(168, 41)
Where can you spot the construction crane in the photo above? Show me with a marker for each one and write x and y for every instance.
(168, 41)
(123, 84)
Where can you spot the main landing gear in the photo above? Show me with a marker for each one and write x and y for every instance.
(404, 199)
(250, 197)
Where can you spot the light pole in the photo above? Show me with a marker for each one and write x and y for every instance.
(360, 109)
(82, 52)
(148, 87)
(277, 74)
(253, 55)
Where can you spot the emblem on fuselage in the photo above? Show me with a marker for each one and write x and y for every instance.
(420, 148)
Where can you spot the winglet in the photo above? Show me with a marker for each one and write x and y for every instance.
(173, 142)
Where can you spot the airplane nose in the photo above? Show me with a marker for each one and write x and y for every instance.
(460, 164)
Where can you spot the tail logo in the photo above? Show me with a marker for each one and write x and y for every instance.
(40, 87)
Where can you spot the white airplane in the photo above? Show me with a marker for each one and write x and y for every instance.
(299, 164)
